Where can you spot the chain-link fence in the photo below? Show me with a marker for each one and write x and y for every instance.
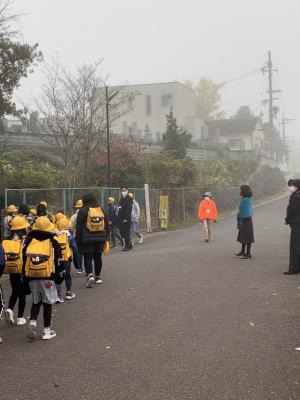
(183, 202)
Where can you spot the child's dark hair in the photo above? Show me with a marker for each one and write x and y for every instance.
(20, 233)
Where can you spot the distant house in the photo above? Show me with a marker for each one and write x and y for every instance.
(145, 116)
(236, 134)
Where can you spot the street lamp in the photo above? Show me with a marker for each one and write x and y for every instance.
(108, 100)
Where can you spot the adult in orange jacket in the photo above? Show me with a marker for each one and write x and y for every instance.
(207, 212)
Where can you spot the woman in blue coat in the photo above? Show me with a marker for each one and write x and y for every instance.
(244, 222)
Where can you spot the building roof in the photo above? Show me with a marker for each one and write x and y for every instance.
(155, 84)
(231, 126)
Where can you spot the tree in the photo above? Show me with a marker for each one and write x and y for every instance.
(22, 169)
(244, 112)
(162, 170)
(175, 139)
(72, 110)
(124, 166)
(208, 93)
(16, 59)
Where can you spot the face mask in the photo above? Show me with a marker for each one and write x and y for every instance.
(206, 198)
(292, 189)
(124, 194)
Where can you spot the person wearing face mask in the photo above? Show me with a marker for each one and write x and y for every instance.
(207, 212)
(293, 219)
(124, 217)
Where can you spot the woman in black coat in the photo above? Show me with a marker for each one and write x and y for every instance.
(244, 222)
(91, 243)
(293, 219)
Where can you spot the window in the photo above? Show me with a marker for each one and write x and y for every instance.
(148, 105)
(167, 100)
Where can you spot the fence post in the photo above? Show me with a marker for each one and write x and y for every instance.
(102, 197)
(64, 200)
(24, 197)
(5, 200)
(183, 203)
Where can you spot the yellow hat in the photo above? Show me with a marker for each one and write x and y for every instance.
(59, 216)
(12, 208)
(131, 195)
(33, 211)
(44, 202)
(43, 224)
(18, 222)
(63, 224)
(79, 204)
(110, 200)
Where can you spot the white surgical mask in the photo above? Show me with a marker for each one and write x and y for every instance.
(125, 193)
(206, 198)
(292, 189)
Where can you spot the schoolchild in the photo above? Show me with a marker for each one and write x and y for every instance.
(67, 245)
(42, 266)
(2, 266)
(13, 248)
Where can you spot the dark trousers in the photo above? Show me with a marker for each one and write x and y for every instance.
(77, 258)
(35, 309)
(125, 233)
(115, 234)
(88, 263)
(2, 304)
(18, 293)
(295, 248)
(68, 279)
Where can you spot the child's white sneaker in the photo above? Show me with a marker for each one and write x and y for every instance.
(9, 317)
(21, 321)
(48, 333)
(90, 281)
(70, 295)
(31, 334)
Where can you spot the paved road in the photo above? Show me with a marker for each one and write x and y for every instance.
(176, 318)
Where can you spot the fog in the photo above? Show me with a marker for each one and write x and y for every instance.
(159, 41)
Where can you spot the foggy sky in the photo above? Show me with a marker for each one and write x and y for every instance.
(163, 40)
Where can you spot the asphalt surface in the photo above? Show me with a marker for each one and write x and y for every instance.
(176, 318)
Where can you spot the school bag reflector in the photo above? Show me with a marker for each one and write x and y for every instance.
(95, 220)
(14, 259)
(39, 259)
(64, 246)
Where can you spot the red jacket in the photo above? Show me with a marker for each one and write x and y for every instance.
(207, 210)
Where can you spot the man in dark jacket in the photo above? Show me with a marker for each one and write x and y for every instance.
(293, 219)
(91, 243)
(125, 208)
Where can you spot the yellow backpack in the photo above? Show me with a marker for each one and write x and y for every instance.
(95, 220)
(14, 258)
(39, 259)
(63, 241)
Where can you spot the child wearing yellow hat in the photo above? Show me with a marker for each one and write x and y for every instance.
(14, 264)
(41, 252)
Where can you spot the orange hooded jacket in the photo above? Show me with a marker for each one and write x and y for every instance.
(207, 210)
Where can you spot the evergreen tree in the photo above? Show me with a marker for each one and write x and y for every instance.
(175, 139)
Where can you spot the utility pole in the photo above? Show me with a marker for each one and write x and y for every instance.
(107, 101)
(270, 78)
(283, 129)
(108, 138)
(269, 69)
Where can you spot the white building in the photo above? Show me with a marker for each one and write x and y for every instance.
(145, 117)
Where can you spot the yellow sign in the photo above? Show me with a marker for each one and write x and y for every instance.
(164, 211)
